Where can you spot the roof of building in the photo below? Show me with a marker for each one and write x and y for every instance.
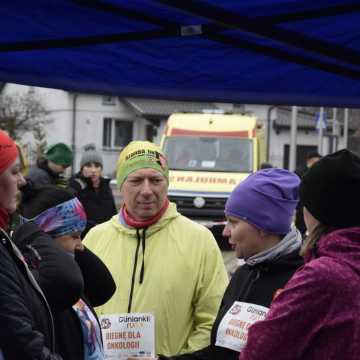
(164, 108)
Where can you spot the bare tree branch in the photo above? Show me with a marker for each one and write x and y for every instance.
(21, 113)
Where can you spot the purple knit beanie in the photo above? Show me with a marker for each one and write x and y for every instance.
(266, 199)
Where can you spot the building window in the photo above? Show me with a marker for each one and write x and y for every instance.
(150, 131)
(108, 100)
(301, 154)
(107, 132)
(117, 133)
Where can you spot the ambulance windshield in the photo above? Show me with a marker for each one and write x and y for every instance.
(218, 154)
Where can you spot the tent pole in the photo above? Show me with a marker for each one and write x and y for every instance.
(73, 135)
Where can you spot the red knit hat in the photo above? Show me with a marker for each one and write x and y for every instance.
(8, 151)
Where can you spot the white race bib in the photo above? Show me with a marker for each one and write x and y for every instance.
(127, 335)
(233, 329)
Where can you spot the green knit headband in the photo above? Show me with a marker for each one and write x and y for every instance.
(140, 155)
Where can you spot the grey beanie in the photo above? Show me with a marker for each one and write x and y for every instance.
(90, 155)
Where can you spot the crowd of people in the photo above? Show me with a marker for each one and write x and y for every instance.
(72, 259)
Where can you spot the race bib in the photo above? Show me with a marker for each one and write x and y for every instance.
(127, 335)
(233, 329)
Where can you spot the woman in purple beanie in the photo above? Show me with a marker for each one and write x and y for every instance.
(316, 316)
(259, 214)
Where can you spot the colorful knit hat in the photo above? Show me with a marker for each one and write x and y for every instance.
(63, 219)
(60, 154)
(140, 155)
(8, 151)
(266, 199)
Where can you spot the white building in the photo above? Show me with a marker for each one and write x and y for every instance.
(111, 122)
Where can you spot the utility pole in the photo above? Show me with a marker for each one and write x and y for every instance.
(292, 156)
(320, 128)
(334, 131)
(346, 127)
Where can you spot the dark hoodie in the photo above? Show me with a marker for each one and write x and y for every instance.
(253, 284)
(317, 314)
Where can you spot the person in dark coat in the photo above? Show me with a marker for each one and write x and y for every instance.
(27, 329)
(259, 213)
(50, 168)
(92, 189)
(311, 158)
(59, 213)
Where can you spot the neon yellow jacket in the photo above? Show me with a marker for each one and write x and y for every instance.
(184, 277)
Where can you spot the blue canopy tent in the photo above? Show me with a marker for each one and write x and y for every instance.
(245, 51)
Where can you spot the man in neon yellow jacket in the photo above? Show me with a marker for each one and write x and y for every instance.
(162, 262)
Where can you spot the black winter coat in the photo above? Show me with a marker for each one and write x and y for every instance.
(98, 203)
(64, 280)
(99, 288)
(41, 175)
(56, 272)
(253, 284)
(27, 330)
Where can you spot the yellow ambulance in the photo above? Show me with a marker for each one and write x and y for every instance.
(208, 155)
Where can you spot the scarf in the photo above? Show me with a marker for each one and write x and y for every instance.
(142, 224)
(290, 243)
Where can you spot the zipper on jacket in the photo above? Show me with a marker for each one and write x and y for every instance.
(134, 271)
(140, 240)
(142, 270)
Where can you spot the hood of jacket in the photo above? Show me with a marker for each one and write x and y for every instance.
(170, 214)
(284, 263)
(288, 261)
(342, 245)
(43, 164)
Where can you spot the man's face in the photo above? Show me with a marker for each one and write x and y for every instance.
(56, 168)
(144, 193)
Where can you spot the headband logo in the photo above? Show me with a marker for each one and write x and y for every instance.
(135, 154)
(150, 155)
